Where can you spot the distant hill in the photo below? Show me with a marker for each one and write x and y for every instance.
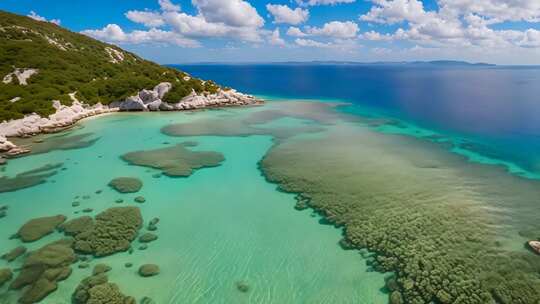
(41, 62)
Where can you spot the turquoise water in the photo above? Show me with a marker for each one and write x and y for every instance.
(490, 114)
(220, 226)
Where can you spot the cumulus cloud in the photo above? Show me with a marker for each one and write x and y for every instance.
(322, 2)
(37, 17)
(284, 14)
(456, 24)
(237, 13)
(115, 34)
(335, 29)
(275, 38)
(295, 32)
(235, 19)
(168, 6)
(311, 43)
(149, 19)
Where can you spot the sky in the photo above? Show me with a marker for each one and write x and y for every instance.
(188, 31)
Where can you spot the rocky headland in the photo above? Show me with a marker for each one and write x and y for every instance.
(145, 100)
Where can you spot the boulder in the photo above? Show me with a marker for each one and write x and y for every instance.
(148, 96)
(148, 270)
(113, 231)
(148, 237)
(37, 228)
(154, 105)
(535, 246)
(162, 89)
(14, 254)
(101, 268)
(132, 103)
(126, 184)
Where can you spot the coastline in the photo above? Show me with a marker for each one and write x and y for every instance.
(66, 117)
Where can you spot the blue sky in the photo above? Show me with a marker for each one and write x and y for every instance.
(169, 31)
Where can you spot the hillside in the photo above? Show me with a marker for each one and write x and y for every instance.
(41, 62)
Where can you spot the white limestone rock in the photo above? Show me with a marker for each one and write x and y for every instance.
(162, 89)
(22, 75)
(148, 96)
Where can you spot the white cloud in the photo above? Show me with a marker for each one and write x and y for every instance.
(37, 17)
(344, 45)
(114, 34)
(284, 14)
(275, 38)
(457, 24)
(236, 13)
(311, 43)
(168, 6)
(375, 36)
(322, 2)
(235, 19)
(335, 29)
(295, 32)
(497, 10)
(149, 19)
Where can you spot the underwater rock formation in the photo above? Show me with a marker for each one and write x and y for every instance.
(148, 237)
(175, 161)
(148, 270)
(37, 228)
(101, 268)
(14, 253)
(97, 289)
(113, 231)
(43, 269)
(126, 184)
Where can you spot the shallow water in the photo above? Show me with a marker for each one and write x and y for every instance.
(220, 226)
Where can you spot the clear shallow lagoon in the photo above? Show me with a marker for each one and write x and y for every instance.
(227, 224)
(219, 226)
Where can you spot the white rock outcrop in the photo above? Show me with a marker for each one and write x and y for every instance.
(22, 75)
(145, 100)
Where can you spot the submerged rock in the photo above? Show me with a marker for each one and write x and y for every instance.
(535, 245)
(5, 276)
(148, 270)
(148, 237)
(113, 231)
(42, 269)
(101, 268)
(242, 286)
(14, 254)
(140, 199)
(37, 228)
(126, 184)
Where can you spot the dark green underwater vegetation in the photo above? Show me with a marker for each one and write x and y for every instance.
(434, 221)
(70, 62)
(177, 161)
(444, 229)
(28, 178)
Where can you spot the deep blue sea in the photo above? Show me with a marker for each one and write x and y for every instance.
(491, 113)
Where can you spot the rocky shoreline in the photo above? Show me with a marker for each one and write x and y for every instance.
(145, 100)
